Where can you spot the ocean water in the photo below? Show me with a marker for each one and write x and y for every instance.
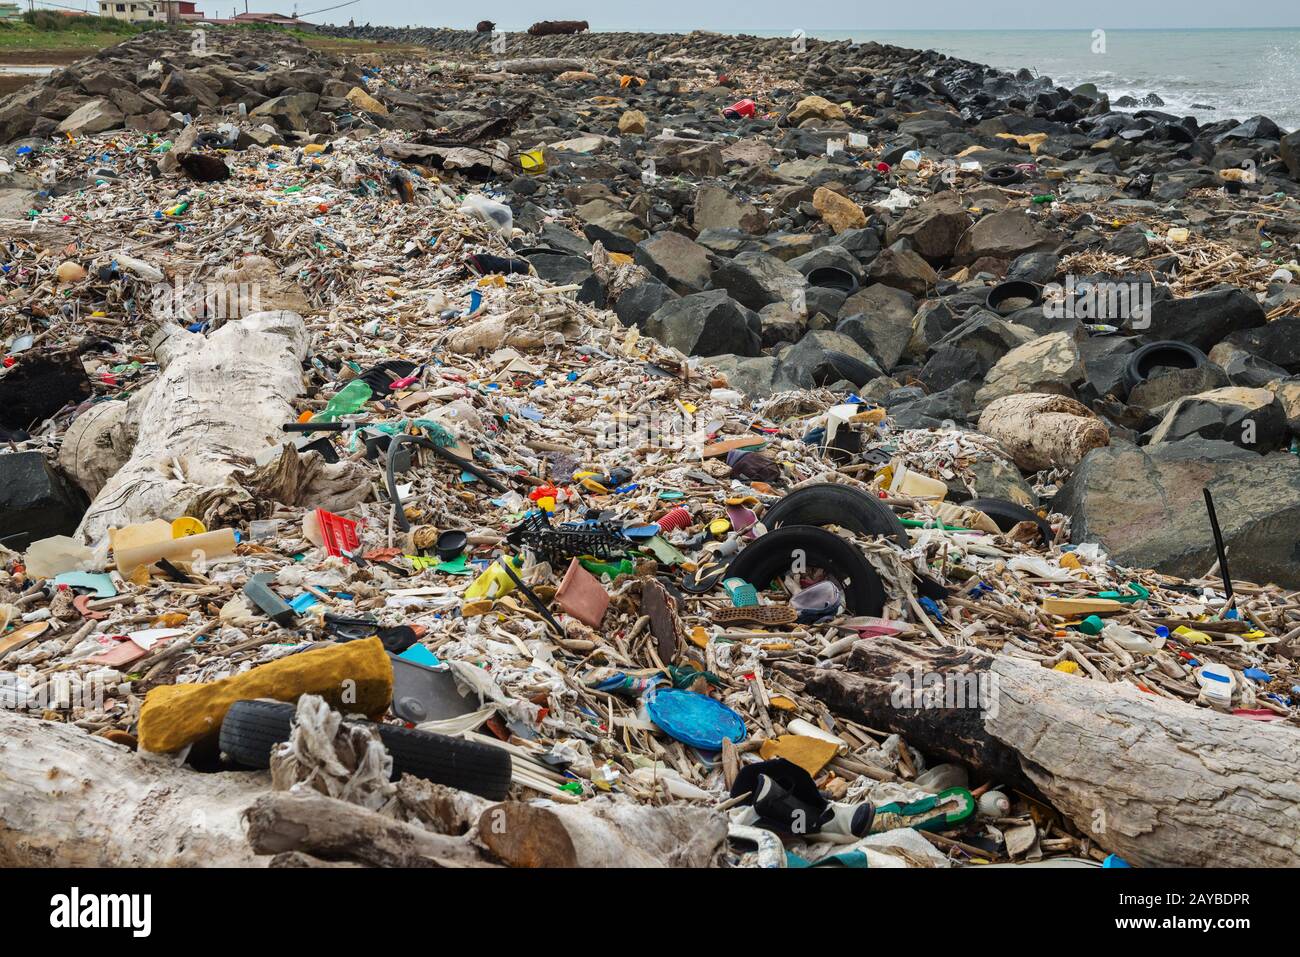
(1210, 74)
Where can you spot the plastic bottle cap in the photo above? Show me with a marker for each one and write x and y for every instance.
(186, 526)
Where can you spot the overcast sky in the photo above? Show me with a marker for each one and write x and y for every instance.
(811, 15)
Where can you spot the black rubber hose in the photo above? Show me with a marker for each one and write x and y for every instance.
(407, 439)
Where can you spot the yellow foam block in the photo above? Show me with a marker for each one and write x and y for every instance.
(356, 677)
(1030, 141)
(811, 754)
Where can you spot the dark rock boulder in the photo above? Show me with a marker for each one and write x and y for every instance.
(1145, 507)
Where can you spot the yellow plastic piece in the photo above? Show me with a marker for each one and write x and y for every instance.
(355, 677)
(185, 526)
(189, 549)
(1069, 667)
(1193, 636)
(811, 754)
(532, 162)
(493, 583)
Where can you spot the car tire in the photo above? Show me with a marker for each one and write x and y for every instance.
(1006, 515)
(829, 503)
(1153, 355)
(252, 728)
(771, 555)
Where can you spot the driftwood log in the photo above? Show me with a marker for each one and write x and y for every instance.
(602, 833)
(534, 65)
(69, 799)
(333, 830)
(1043, 431)
(217, 402)
(594, 834)
(1156, 781)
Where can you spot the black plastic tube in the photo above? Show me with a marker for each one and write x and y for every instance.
(407, 439)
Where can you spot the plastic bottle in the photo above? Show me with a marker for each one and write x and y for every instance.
(188, 549)
(351, 398)
(1129, 640)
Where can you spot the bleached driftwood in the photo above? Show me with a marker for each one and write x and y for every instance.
(69, 799)
(1157, 781)
(1043, 431)
(602, 833)
(334, 830)
(217, 402)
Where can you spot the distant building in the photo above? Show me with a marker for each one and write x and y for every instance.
(270, 19)
(275, 19)
(148, 11)
(10, 11)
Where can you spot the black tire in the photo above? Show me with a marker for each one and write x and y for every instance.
(252, 728)
(1006, 515)
(1013, 289)
(1003, 175)
(478, 768)
(833, 277)
(843, 505)
(1153, 355)
(772, 554)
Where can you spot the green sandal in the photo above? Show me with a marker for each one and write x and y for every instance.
(941, 812)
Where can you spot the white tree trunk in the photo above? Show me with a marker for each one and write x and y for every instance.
(1156, 781)
(1043, 431)
(602, 833)
(216, 403)
(69, 799)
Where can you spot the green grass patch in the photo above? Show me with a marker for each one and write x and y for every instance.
(46, 30)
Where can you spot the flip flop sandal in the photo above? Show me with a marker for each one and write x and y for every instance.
(941, 812)
(756, 615)
(742, 519)
(704, 579)
(664, 551)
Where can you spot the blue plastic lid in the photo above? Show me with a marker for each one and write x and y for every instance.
(695, 719)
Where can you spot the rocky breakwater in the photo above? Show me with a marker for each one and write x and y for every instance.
(938, 236)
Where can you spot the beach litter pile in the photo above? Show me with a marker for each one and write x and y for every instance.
(313, 471)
